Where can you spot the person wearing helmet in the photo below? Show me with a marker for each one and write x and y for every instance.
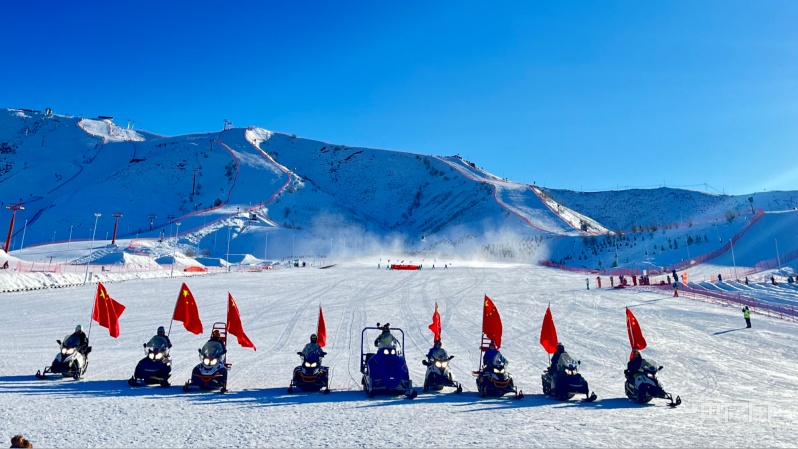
(79, 340)
(160, 339)
(492, 357)
(386, 339)
(633, 367)
(437, 352)
(555, 358)
(313, 348)
(215, 344)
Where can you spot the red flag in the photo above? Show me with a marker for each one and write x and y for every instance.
(435, 327)
(548, 333)
(492, 322)
(234, 323)
(321, 330)
(635, 334)
(107, 311)
(187, 312)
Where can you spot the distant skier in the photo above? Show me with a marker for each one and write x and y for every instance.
(720, 278)
(587, 283)
(675, 289)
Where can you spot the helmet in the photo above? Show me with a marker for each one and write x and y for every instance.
(492, 344)
(161, 330)
(78, 328)
(560, 346)
(386, 327)
(438, 343)
(215, 334)
(313, 338)
(635, 353)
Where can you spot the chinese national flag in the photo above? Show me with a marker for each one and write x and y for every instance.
(435, 327)
(321, 330)
(234, 324)
(187, 312)
(492, 322)
(107, 311)
(548, 333)
(635, 334)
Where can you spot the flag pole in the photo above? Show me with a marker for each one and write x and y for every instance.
(170, 325)
(91, 317)
(548, 307)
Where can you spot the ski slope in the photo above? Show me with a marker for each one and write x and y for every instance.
(737, 385)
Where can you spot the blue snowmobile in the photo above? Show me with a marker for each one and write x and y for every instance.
(385, 371)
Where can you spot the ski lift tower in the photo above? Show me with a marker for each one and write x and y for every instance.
(152, 217)
(13, 207)
(117, 216)
(227, 124)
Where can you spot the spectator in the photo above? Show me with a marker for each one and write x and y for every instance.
(747, 316)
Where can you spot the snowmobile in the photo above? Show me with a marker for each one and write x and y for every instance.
(385, 371)
(310, 375)
(439, 375)
(71, 361)
(211, 372)
(565, 381)
(645, 385)
(155, 367)
(496, 381)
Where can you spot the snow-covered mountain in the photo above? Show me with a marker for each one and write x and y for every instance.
(249, 191)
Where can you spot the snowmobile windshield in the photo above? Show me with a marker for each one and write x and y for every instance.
(72, 341)
(213, 349)
(564, 361)
(158, 343)
(648, 366)
(498, 360)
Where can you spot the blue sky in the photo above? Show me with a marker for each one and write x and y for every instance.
(574, 95)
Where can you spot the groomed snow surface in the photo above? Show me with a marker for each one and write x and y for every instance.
(738, 385)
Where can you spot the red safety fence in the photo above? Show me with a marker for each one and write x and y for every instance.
(781, 311)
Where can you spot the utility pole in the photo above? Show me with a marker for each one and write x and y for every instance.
(117, 215)
(174, 250)
(152, 217)
(91, 248)
(13, 207)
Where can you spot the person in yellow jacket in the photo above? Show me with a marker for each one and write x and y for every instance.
(747, 316)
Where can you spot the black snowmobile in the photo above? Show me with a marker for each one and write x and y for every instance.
(565, 381)
(310, 375)
(496, 381)
(644, 385)
(211, 372)
(155, 367)
(71, 361)
(439, 375)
